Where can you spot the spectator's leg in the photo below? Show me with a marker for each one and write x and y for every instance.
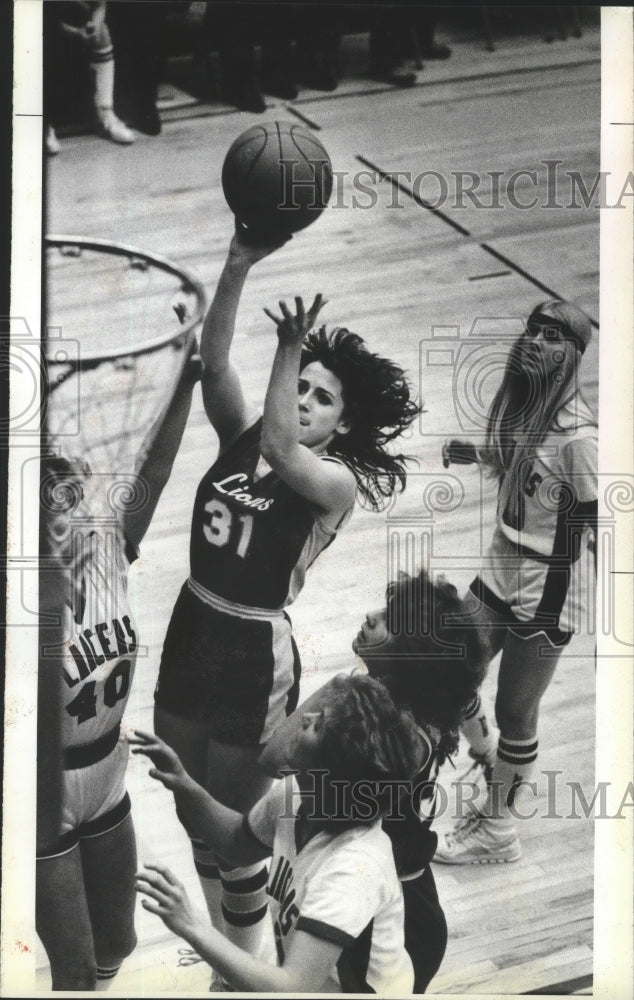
(136, 31)
(388, 47)
(102, 66)
(425, 26)
(317, 43)
(231, 32)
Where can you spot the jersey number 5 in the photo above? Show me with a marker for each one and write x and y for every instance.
(220, 528)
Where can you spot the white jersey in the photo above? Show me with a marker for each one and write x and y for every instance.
(100, 641)
(533, 512)
(340, 887)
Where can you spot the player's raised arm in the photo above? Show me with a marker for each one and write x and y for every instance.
(158, 451)
(302, 414)
(307, 963)
(222, 828)
(222, 393)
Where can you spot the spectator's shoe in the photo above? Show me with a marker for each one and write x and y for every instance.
(396, 76)
(111, 127)
(51, 141)
(436, 52)
(244, 95)
(478, 840)
(147, 120)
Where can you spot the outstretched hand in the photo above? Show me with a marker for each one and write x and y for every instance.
(167, 766)
(168, 899)
(292, 329)
(248, 247)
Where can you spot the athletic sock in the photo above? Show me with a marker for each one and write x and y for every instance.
(209, 878)
(105, 977)
(244, 905)
(102, 66)
(476, 729)
(513, 765)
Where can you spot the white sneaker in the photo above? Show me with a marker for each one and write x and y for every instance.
(52, 142)
(478, 840)
(111, 127)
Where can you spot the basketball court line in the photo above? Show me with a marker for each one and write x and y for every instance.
(492, 274)
(400, 186)
(303, 118)
(567, 988)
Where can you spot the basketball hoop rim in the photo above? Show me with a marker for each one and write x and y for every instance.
(190, 283)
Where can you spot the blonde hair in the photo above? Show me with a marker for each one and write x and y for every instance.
(527, 405)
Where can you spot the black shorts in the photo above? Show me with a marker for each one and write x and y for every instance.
(425, 928)
(236, 673)
(540, 624)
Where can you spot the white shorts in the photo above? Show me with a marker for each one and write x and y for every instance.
(93, 800)
(538, 595)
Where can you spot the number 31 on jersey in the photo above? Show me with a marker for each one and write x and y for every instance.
(225, 526)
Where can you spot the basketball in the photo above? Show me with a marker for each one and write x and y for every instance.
(277, 178)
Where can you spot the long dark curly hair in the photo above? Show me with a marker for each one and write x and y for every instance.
(377, 402)
(440, 661)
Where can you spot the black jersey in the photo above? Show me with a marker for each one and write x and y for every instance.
(252, 536)
(409, 826)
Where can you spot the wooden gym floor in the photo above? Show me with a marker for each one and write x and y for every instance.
(394, 275)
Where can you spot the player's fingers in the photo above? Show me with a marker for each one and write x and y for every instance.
(299, 307)
(181, 311)
(276, 319)
(286, 313)
(142, 738)
(153, 885)
(162, 871)
(318, 304)
(161, 776)
(196, 367)
(141, 886)
(149, 906)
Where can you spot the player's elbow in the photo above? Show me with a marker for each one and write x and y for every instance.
(275, 449)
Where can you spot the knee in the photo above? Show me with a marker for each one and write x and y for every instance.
(517, 720)
(120, 943)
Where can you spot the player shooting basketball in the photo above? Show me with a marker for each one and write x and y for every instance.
(281, 487)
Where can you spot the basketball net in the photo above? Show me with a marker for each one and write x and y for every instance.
(119, 332)
(119, 326)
